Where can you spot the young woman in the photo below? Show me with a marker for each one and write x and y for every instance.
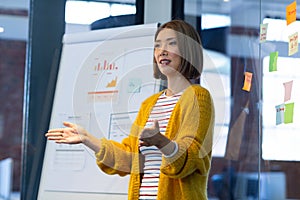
(168, 151)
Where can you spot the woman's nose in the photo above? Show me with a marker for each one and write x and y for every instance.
(163, 52)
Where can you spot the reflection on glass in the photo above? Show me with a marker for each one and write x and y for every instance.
(86, 12)
(280, 140)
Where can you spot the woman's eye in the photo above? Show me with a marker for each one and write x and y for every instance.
(156, 45)
(173, 43)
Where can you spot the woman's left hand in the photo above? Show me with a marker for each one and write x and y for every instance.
(150, 136)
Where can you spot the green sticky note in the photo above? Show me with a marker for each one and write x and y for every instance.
(273, 61)
(288, 113)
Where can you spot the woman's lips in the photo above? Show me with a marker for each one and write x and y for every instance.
(164, 61)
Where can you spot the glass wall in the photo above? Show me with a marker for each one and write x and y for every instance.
(251, 69)
(253, 46)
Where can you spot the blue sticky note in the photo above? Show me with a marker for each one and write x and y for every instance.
(279, 114)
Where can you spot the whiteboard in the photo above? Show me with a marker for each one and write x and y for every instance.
(104, 76)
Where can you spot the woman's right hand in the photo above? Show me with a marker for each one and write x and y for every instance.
(71, 134)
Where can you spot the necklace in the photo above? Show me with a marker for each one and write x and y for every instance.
(169, 92)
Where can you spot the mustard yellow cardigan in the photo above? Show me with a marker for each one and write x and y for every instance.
(183, 176)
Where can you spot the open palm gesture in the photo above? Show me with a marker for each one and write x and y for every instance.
(71, 134)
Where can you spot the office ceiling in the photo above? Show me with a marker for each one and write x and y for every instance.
(24, 4)
(18, 24)
(215, 6)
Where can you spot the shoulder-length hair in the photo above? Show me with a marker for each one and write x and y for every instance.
(190, 48)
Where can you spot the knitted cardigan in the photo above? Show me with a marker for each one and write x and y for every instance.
(183, 176)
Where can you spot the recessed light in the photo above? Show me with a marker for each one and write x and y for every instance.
(1, 29)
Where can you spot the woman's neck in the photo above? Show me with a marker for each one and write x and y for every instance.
(176, 85)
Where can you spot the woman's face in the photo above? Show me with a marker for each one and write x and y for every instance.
(166, 52)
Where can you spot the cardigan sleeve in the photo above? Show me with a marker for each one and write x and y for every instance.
(191, 126)
(124, 158)
(116, 158)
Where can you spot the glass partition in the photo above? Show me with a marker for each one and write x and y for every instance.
(254, 48)
(251, 69)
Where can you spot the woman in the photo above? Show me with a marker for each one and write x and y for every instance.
(168, 151)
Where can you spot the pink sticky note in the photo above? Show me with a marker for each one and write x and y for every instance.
(287, 90)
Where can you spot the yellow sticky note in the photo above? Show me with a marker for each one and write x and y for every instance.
(291, 11)
(247, 81)
(293, 43)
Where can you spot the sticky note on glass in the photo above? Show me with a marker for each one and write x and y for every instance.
(273, 61)
(279, 114)
(247, 81)
(287, 90)
(288, 113)
(263, 32)
(293, 43)
(291, 11)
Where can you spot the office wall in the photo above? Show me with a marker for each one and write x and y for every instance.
(12, 62)
(11, 110)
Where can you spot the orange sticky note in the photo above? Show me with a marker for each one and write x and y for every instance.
(291, 12)
(247, 81)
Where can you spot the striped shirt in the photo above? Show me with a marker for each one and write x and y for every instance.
(153, 157)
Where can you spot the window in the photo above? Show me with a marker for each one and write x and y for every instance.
(86, 12)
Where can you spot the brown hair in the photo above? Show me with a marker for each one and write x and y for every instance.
(190, 48)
